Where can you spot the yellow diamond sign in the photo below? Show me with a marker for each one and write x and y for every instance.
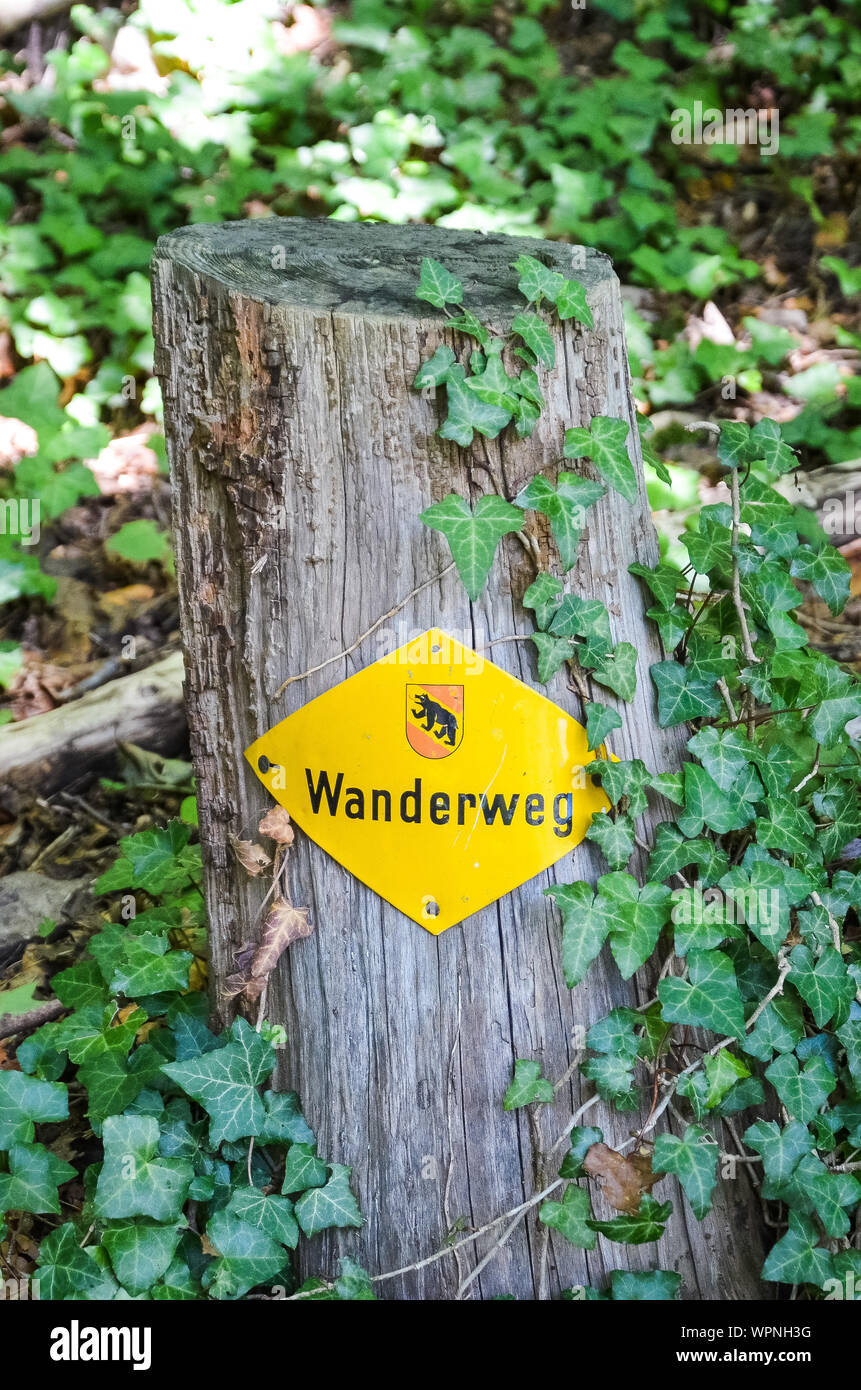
(436, 778)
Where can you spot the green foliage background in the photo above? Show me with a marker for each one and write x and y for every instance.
(513, 119)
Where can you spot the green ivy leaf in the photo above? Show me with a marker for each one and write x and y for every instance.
(247, 1256)
(79, 986)
(615, 1032)
(109, 1084)
(605, 443)
(709, 999)
(637, 917)
(332, 1205)
(565, 506)
(664, 581)
(617, 670)
(150, 967)
(570, 1217)
(284, 1123)
(734, 443)
(32, 396)
(537, 337)
(801, 1090)
(615, 838)
(154, 857)
(543, 596)
(585, 925)
(467, 413)
(693, 1159)
(140, 1252)
(494, 386)
(527, 1086)
(698, 923)
(706, 804)
(653, 1285)
(825, 984)
(473, 536)
(571, 303)
(778, 1028)
(723, 754)
(553, 652)
(466, 322)
(780, 1149)
(303, 1169)
(586, 618)
(33, 1178)
(133, 1181)
(434, 371)
(766, 443)
(683, 695)
(139, 542)
(828, 721)
(827, 571)
(537, 281)
(600, 721)
(672, 852)
(65, 1270)
(787, 827)
(177, 1284)
(797, 1257)
(639, 1227)
(760, 898)
(225, 1082)
(437, 285)
(722, 1072)
(354, 1283)
(831, 1195)
(274, 1215)
(92, 1031)
(24, 1101)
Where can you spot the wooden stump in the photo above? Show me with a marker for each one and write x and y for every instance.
(301, 460)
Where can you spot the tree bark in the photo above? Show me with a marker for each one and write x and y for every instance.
(301, 460)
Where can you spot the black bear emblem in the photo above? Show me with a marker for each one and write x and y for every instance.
(438, 720)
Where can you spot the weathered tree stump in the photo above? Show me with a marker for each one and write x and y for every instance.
(301, 460)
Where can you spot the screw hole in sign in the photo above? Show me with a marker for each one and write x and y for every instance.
(430, 907)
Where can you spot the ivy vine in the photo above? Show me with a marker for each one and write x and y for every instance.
(750, 897)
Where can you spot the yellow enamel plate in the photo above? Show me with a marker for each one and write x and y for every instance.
(436, 778)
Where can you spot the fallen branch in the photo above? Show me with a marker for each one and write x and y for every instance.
(49, 751)
(10, 1024)
(17, 13)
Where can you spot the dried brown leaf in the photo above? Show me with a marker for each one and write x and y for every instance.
(284, 924)
(276, 826)
(624, 1181)
(253, 858)
(243, 957)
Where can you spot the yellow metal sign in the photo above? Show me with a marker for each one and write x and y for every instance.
(436, 778)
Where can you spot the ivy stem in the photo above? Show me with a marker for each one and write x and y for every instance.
(777, 988)
(303, 675)
(832, 922)
(516, 1212)
(727, 699)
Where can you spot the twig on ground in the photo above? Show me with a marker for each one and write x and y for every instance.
(11, 1024)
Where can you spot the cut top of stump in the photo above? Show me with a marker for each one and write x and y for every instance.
(367, 268)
